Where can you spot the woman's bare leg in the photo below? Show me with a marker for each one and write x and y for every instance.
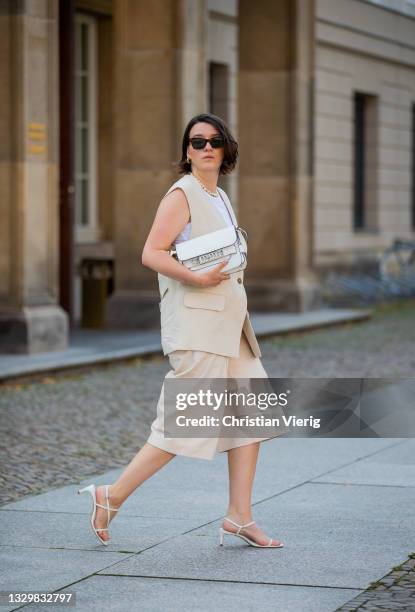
(146, 462)
(242, 462)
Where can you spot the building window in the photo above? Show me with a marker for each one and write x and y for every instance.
(85, 129)
(218, 90)
(359, 161)
(219, 101)
(365, 162)
(413, 168)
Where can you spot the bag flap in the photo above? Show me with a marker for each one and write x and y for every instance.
(206, 243)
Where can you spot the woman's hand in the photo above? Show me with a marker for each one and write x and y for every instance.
(214, 276)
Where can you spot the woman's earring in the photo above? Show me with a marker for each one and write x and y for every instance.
(189, 161)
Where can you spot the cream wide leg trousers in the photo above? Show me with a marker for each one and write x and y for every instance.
(200, 364)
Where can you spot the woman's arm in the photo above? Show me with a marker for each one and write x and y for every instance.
(171, 218)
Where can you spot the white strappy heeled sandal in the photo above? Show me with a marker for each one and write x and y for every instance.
(222, 532)
(91, 489)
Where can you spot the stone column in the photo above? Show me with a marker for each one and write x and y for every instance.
(159, 85)
(30, 318)
(276, 64)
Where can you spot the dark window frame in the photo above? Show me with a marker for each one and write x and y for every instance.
(413, 169)
(359, 162)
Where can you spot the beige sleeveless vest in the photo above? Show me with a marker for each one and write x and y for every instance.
(207, 319)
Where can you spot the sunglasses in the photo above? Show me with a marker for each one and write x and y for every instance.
(199, 143)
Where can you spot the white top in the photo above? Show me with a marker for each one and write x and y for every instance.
(219, 204)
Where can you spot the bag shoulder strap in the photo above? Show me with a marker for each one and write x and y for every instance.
(229, 208)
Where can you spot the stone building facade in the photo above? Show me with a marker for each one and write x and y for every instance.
(364, 139)
(320, 95)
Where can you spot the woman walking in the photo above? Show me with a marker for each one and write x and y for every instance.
(205, 330)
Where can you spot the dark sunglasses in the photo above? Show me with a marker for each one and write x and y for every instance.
(199, 143)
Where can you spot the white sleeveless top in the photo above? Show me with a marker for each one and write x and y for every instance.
(219, 204)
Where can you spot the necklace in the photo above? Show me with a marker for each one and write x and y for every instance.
(215, 195)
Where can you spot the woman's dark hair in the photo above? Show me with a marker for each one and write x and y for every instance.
(230, 153)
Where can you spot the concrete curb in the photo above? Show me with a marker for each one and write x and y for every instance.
(108, 346)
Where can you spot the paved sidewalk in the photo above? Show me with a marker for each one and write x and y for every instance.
(90, 347)
(344, 509)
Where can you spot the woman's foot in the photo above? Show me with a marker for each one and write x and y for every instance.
(101, 515)
(252, 532)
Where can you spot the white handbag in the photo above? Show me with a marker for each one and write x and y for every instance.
(207, 251)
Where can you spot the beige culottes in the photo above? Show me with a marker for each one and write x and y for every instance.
(200, 364)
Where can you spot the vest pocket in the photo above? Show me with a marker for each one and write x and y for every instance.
(211, 301)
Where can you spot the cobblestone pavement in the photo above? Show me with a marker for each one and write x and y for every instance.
(395, 591)
(64, 428)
